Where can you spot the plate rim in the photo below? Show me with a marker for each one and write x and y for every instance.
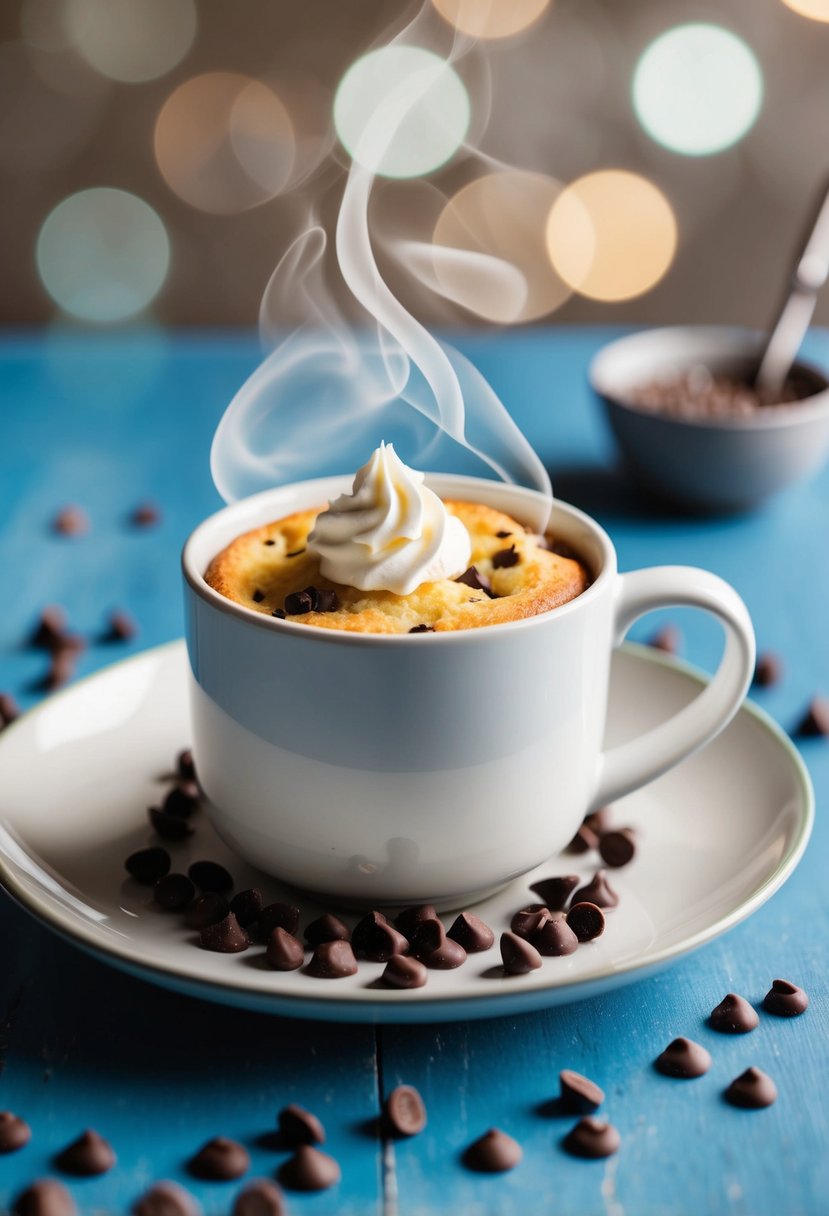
(375, 1004)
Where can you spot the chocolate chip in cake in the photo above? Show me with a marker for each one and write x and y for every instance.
(148, 865)
(505, 558)
(71, 521)
(276, 916)
(9, 709)
(45, 1197)
(145, 515)
(376, 940)
(518, 955)
(409, 918)
(768, 670)
(618, 847)
(527, 921)
(327, 928)
(225, 937)
(493, 1153)
(312, 599)
(733, 1015)
(598, 891)
(309, 1170)
(752, 1090)
(174, 892)
(258, 596)
(477, 581)
(220, 1160)
(503, 535)
(14, 1132)
(554, 893)
(422, 629)
(667, 639)
(586, 920)
(555, 938)
(166, 1199)
(210, 876)
(247, 906)
(295, 553)
(404, 972)
(332, 960)
(584, 840)
(285, 952)
(431, 946)
(169, 827)
(269, 541)
(471, 932)
(815, 722)
(683, 1058)
(185, 765)
(182, 800)
(785, 1000)
(579, 1095)
(208, 909)
(592, 1138)
(87, 1156)
(262, 1197)
(405, 1111)
(279, 614)
(299, 1126)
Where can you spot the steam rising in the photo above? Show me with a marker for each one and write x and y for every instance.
(328, 393)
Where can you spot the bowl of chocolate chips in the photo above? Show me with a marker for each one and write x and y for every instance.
(695, 428)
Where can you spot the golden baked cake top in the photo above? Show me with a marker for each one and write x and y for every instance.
(269, 569)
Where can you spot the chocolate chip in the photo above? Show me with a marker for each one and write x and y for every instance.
(145, 515)
(599, 821)
(503, 535)
(815, 721)
(261, 1198)
(617, 847)
(50, 632)
(408, 920)
(174, 892)
(285, 952)
(477, 581)
(210, 876)
(431, 946)
(14, 1132)
(584, 840)
(220, 1160)
(258, 596)
(768, 670)
(527, 921)
(683, 1058)
(207, 910)
(405, 1111)
(46, 1197)
(185, 765)
(309, 1170)
(733, 1015)
(753, 1090)
(404, 972)
(505, 558)
(298, 1126)
(182, 800)
(375, 939)
(312, 599)
(555, 938)
(247, 906)
(586, 920)
(668, 639)
(225, 937)
(166, 1199)
(269, 541)
(592, 1138)
(470, 932)
(276, 916)
(332, 961)
(598, 891)
(326, 928)
(422, 629)
(785, 1000)
(61, 669)
(9, 709)
(493, 1153)
(120, 628)
(169, 827)
(295, 553)
(518, 955)
(279, 613)
(148, 865)
(87, 1156)
(71, 521)
(555, 892)
(579, 1095)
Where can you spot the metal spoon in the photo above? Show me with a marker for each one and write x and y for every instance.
(810, 272)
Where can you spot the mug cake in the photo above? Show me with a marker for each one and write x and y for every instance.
(392, 557)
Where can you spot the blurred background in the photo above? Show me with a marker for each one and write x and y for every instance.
(159, 156)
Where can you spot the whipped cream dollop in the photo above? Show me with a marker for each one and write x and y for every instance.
(391, 533)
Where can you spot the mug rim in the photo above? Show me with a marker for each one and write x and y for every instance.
(442, 483)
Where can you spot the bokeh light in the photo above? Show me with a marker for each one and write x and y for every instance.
(38, 129)
(611, 235)
(503, 215)
(103, 255)
(224, 142)
(491, 18)
(131, 40)
(817, 10)
(697, 89)
(43, 24)
(401, 111)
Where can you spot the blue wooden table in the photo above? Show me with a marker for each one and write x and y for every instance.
(110, 421)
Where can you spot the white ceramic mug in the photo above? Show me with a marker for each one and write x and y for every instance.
(438, 766)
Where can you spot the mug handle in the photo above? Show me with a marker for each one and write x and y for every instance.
(635, 763)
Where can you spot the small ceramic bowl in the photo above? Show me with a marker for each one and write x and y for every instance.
(722, 464)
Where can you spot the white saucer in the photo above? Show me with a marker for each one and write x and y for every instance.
(719, 836)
